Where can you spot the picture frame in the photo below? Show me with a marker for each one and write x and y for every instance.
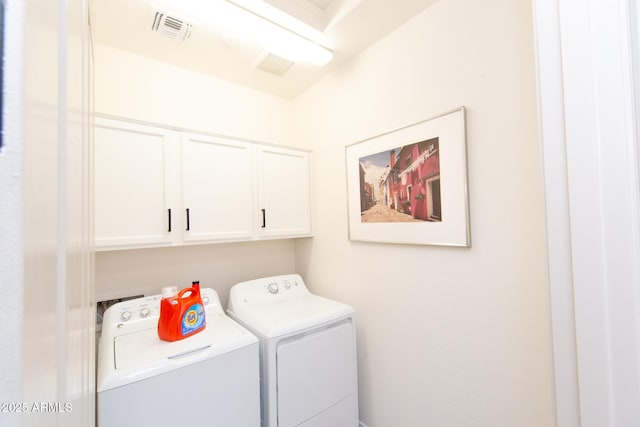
(410, 185)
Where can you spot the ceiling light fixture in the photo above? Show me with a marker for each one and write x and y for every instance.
(246, 19)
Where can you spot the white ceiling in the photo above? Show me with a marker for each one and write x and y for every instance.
(350, 26)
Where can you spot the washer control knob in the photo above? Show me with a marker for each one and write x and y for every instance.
(287, 285)
(126, 315)
(205, 300)
(144, 312)
(273, 288)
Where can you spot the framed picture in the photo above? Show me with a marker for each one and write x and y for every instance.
(409, 186)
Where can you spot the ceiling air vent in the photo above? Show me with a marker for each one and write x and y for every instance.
(170, 26)
(273, 64)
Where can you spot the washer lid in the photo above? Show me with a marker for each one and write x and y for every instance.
(290, 315)
(137, 349)
(138, 355)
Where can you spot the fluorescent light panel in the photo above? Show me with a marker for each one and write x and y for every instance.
(239, 20)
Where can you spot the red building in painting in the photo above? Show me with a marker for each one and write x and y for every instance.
(412, 184)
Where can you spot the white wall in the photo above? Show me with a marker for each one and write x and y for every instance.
(140, 88)
(147, 90)
(146, 271)
(447, 336)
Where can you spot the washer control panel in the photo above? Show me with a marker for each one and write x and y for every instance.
(148, 308)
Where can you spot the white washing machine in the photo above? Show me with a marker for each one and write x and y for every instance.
(208, 379)
(308, 352)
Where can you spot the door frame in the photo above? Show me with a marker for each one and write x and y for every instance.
(589, 154)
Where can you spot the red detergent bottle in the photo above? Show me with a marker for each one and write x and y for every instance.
(181, 313)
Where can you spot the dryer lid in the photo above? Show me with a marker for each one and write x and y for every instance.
(279, 305)
(291, 315)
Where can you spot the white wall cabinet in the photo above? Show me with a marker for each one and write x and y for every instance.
(133, 184)
(159, 187)
(284, 197)
(217, 188)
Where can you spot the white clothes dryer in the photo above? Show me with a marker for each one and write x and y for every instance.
(308, 352)
(208, 379)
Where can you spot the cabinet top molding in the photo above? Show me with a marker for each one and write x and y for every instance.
(101, 117)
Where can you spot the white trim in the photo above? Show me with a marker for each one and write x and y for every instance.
(592, 207)
(558, 237)
(585, 200)
(61, 259)
(11, 209)
(623, 229)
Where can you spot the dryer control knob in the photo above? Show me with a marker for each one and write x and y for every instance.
(273, 288)
(144, 312)
(126, 315)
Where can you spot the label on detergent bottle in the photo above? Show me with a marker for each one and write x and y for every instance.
(193, 319)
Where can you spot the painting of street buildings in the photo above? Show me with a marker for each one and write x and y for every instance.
(401, 184)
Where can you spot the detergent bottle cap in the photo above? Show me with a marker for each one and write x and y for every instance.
(169, 291)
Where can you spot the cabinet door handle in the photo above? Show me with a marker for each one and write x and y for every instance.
(264, 218)
(169, 215)
(188, 220)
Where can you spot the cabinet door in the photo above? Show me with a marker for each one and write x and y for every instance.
(285, 201)
(132, 185)
(217, 189)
